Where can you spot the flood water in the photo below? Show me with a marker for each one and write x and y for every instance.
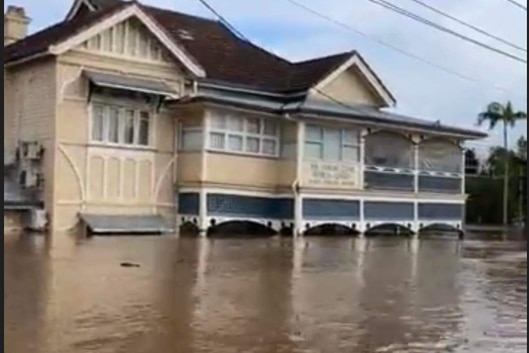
(264, 295)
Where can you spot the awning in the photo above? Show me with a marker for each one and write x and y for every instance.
(128, 83)
(16, 199)
(127, 224)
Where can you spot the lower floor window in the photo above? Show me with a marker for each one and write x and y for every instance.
(119, 125)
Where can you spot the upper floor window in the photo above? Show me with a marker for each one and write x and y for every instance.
(332, 144)
(249, 135)
(120, 125)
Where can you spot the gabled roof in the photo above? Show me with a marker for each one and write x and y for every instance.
(224, 56)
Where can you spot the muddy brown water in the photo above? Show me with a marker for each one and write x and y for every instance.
(264, 295)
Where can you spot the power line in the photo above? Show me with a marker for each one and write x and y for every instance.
(389, 6)
(518, 4)
(468, 25)
(401, 51)
(208, 6)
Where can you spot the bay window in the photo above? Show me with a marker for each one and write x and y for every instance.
(120, 126)
(332, 144)
(247, 135)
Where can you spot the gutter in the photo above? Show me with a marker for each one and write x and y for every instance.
(239, 89)
(27, 59)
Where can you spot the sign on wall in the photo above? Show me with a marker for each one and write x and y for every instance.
(320, 174)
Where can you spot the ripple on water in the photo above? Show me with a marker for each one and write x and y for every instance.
(265, 295)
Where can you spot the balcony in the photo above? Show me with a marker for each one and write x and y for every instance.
(392, 162)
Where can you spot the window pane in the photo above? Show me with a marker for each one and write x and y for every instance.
(314, 133)
(253, 145)
(350, 154)
(235, 143)
(98, 119)
(191, 140)
(270, 128)
(128, 124)
(235, 124)
(113, 125)
(144, 128)
(218, 122)
(269, 147)
(253, 125)
(313, 150)
(332, 145)
(351, 137)
(216, 140)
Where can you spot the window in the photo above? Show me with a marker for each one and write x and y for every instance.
(191, 139)
(251, 135)
(331, 144)
(123, 126)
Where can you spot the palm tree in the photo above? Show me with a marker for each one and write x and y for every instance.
(497, 113)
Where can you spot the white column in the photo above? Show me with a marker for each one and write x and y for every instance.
(298, 199)
(463, 172)
(416, 167)
(463, 190)
(203, 196)
(417, 162)
(362, 158)
(362, 229)
(203, 213)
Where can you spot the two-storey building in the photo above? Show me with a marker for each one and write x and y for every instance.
(145, 118)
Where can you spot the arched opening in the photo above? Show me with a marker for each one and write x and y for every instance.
(441, 230)
(240, 229)
(331, 229)
(389, 230)
(189, 229)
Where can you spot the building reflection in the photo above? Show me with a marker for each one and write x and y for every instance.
(244, 297)
(26, 285)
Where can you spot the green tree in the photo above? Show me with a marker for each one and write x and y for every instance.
(495, 114)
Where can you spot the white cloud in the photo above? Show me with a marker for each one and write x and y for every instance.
(420, 89)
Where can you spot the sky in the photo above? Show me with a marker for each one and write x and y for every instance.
(421, 90)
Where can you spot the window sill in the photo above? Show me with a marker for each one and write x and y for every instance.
(242, 154)
(122, 147)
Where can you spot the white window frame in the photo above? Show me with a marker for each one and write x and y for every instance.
(244, 134)
(122, 107)
(191, 129)
(343, 143)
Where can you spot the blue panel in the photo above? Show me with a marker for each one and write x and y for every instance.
(331, 209)
(389, 181)
(433, 211)
(248, 206)
(188, 203)
(440, 184)
(392, 211)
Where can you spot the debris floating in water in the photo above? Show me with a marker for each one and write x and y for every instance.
(129, 264)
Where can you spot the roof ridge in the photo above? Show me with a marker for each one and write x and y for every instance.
(326, 57)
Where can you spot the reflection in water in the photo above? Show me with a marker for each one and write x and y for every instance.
(264, 295)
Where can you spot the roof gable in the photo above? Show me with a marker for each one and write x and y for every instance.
(370, 78)
(126, 13)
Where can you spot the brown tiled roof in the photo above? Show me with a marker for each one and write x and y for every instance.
(224, 56)
(308, 73)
